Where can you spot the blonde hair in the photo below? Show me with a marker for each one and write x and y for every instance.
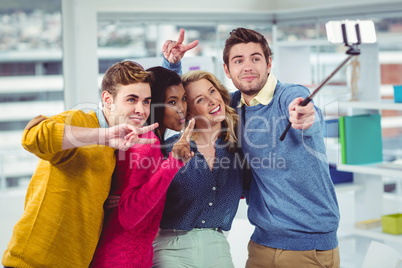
(229, 124)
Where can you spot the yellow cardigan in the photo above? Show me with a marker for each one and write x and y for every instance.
(63, 214)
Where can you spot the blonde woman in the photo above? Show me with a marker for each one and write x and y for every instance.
(203, 197)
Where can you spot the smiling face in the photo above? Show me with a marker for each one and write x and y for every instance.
(205, 103)
(131, 104)
(176, 107)
(248, 68)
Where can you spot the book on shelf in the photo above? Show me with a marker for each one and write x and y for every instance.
(342, 138)
(368, 224)
(360, 139)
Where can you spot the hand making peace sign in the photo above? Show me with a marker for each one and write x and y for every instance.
(181, 149)
(125, 136)
(174, 51)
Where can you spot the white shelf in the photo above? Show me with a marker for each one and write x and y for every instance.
(27, 84)
(20, 111)
(348, 187)
(372, 169)
(372, 105)
(374, 233)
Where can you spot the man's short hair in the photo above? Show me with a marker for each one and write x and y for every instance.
(124, 73)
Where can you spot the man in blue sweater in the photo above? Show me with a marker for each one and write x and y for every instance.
(292, 201)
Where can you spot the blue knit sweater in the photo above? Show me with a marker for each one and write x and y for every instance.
(292, 200)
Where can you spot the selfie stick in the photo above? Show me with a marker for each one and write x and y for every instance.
(353, 51)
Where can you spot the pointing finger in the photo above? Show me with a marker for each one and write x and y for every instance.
(133, 140)
(188, 131)
(138, 131)
(190, 46)
(181, 37)
(147, 128)
(146, 141)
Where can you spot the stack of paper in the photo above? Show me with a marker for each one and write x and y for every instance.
(368, 224)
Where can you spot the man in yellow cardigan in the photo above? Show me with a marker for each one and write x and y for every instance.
(63, 213)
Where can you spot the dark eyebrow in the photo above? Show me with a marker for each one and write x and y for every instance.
(241, 56)
(235, 57)
(132, 96)
(135, 96)
(257, 53)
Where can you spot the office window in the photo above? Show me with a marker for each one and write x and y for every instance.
(296, 32)
(30, 79)
(389, 34)
(17, 68)
(119, 40)
(388, 27)
(125, 40)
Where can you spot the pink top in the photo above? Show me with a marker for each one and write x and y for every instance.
(142, 178)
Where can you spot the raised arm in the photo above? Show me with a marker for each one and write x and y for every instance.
(49, 137)
(119, 137)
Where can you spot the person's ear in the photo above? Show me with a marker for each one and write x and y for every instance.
(226, 68)
(269, 65)
(107, 100)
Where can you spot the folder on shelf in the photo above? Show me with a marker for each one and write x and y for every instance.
(360, 138)
(341, 125)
